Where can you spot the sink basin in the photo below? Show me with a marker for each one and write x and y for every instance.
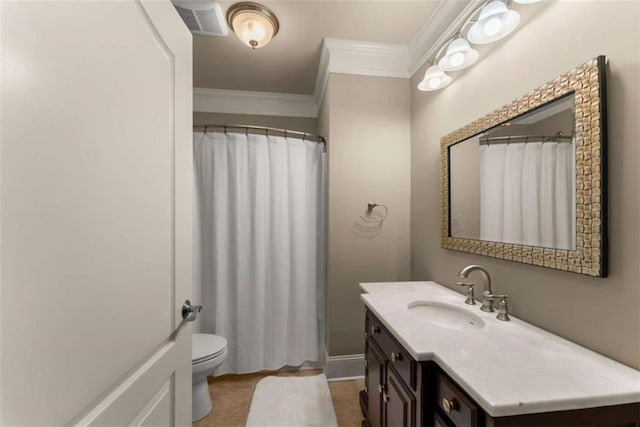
(445, 315)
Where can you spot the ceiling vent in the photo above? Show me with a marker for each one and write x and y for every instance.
(203, 17)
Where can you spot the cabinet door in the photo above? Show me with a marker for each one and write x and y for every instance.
(400, 405)
(374, 383)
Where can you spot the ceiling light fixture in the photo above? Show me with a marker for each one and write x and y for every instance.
(459, 55)
(254, 24)
(434, 79)
(495, 21)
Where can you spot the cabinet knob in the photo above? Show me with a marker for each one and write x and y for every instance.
(375, 330)
(385, 397)
(396, 356)
(380, 388)
(449, 405)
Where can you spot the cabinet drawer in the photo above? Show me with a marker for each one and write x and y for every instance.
(397, 356)
(454, 405)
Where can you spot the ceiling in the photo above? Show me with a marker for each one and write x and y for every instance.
(289, 63)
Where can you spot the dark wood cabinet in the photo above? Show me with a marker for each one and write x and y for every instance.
(401, 392)
(390, 379)
(399, 403)
(374, 382)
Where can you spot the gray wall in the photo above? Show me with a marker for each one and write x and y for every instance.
(367, 121)
(602, 314)
(309, 125)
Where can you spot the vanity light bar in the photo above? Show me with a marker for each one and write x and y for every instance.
(491, 21)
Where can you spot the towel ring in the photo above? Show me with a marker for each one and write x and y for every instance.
(370, 207)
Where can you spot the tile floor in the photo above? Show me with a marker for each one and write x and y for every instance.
(232, 398)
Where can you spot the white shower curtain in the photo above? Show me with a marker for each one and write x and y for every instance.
(259, 248)
(527, 194)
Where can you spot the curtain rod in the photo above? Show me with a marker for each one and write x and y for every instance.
(527, 138)
(247, 128)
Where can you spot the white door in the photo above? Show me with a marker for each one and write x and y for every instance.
(95, 205)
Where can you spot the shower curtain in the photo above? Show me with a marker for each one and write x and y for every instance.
(259, 248)
(527, 194)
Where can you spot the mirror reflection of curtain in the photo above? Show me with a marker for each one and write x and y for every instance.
(527, 194)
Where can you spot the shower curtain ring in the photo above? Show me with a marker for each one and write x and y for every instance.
(285, 134)
(304, 135)
(225, 129)
(205, 129)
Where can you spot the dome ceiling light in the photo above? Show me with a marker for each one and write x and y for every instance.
(254, 24)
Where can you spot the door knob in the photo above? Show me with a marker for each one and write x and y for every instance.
(190, 312)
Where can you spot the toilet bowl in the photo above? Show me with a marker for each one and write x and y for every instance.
(208, 352)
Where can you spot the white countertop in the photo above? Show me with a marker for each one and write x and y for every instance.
(509, 368)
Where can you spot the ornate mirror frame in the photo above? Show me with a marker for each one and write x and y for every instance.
(588, 83)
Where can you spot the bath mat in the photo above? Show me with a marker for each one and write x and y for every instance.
(292, 402)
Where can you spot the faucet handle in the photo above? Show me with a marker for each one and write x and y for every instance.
(471, 300)
(503, 309)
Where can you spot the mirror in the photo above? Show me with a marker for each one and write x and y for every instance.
(515, 183)
(526, 182)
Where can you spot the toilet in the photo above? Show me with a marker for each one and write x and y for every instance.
(208, 352)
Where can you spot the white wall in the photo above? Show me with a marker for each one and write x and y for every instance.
(602, 314)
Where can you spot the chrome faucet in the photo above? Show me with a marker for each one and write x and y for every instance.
(487, 302)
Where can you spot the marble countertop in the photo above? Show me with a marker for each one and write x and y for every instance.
(509, 368)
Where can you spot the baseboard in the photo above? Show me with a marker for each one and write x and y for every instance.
(343, 368)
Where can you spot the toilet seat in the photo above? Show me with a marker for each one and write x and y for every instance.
(206, 347)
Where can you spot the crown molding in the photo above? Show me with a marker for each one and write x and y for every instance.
(322, 75)
(259, 103)
(442, 24)
(346, 57)
(367, 58)
(360, 58)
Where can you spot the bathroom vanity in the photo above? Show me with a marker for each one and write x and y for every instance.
(432, 360)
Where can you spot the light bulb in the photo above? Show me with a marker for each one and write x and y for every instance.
(457, 59)
(254, 33)
(492, 27)
(434, 82)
